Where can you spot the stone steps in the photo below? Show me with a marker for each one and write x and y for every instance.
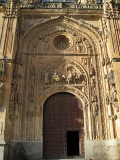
(68, 159)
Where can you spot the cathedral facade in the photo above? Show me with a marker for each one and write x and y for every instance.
(59, 79)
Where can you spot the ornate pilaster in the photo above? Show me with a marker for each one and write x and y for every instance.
(7, 49)
(110, 23)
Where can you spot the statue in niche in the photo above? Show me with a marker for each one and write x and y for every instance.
(95, 109)
(107, 99)
(83, 79)
(32, 87)
(103, 61)
(89, 49)
(94, 96)
(113, 94)
(1, 92)
(93, 83)
(12, 95)
(2, 67)
(107, 60)
(35, 49)
(92, 70)
(80, 47)
(111, 77)
(46, 78)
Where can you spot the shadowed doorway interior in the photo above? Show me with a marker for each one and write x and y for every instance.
(63, 126)
(72, 143)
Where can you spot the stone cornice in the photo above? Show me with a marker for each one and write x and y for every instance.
(115, 59)
(62, 5)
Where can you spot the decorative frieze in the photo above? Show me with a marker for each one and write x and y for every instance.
(61, 5)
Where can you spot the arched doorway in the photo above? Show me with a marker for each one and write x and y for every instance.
(63, 126)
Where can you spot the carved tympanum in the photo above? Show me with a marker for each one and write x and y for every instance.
(68, 75)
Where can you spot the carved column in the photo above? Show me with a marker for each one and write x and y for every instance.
(110, 23)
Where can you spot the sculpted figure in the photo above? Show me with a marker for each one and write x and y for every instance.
(107, 99)
(94, 96)
(113, 94)
(92, 70)
(74, 77)
(103, 61)
(95, 109)
(107, 60)
(46, 78)
(93, 83)
(79, 46)
(12, 95)
(63, 78)
(111, 77)
(55, 77)
(78, 78)
(69, 78)
(1, 67)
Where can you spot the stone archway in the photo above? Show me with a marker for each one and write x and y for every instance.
(63, 126)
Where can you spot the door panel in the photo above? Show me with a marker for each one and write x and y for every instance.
(63, 112)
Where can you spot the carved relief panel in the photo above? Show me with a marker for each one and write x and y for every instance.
(66, 74)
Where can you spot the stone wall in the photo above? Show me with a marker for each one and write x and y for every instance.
(102, 149)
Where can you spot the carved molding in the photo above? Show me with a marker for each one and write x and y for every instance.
(64, 27)
(62, 5)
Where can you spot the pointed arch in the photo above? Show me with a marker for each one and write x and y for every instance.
(61, 24)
